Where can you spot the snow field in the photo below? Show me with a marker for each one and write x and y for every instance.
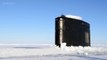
(52, 51)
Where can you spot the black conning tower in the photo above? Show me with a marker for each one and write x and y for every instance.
(73, 32)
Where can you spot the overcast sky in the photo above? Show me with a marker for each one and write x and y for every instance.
(33, 21)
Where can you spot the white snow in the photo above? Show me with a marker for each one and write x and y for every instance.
(53, 53)
(73, 16)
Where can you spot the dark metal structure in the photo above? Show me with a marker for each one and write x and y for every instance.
(73, 32)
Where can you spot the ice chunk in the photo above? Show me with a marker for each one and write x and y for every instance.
(63, 45)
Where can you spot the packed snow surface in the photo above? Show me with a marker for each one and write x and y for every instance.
(73, 16)
(52, 52)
